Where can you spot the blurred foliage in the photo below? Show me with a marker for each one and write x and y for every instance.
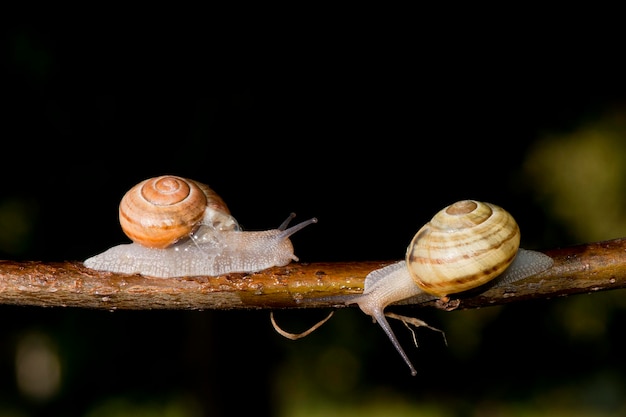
(17, 225)
(581, 176)
(348, 128)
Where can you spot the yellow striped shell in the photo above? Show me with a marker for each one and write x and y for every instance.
(464, 246)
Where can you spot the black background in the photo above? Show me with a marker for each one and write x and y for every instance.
(371, 122)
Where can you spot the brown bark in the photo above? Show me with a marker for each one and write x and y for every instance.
(577, 269)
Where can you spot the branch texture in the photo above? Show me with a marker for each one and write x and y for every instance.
(577, 269)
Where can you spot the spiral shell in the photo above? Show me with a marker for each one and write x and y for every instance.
(464, 246)
(159, 211)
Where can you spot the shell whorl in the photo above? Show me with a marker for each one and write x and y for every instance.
(159, 211)
(464, 246)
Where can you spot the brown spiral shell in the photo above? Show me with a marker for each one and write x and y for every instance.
(159, 211)
(464, 246)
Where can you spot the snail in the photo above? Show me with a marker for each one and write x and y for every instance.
(181, 227)
(464, 246)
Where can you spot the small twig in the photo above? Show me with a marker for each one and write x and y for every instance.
(577, 269)
(296, 336)
(416, 323)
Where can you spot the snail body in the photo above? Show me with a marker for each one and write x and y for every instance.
(464, 246)
(180, 227)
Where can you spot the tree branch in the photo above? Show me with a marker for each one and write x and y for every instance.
(577, 269)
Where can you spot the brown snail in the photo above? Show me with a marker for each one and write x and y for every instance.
(180, 227)
(464, 246)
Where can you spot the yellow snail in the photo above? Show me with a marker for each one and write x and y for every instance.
(180, 227)
(464, 246)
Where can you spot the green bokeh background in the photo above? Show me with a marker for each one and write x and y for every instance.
(367, 124)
